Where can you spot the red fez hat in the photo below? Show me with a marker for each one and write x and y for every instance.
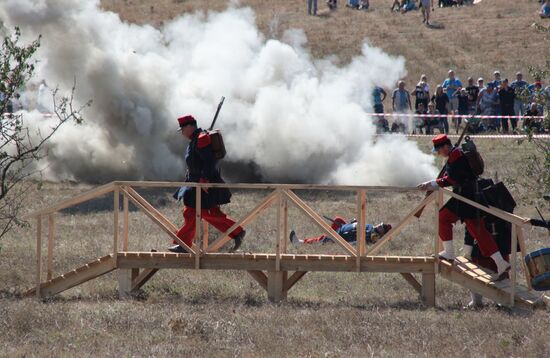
(440, 139)
(337, 222)
(185, 120)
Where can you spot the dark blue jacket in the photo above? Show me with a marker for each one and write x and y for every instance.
(202, 167)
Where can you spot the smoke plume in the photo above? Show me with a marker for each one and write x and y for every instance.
(288, 117)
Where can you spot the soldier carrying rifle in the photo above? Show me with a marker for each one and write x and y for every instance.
(202, 168)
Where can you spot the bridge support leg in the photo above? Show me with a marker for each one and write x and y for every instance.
(125, 278)
(428, 289)
(275, 286)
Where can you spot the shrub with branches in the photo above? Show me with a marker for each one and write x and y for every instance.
(20, 146)
(537, 164)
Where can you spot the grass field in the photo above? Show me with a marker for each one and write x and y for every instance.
(213, 313)
(222, 314)
(473, 40)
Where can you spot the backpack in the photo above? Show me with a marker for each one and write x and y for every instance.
(218, 147)
(472, 155)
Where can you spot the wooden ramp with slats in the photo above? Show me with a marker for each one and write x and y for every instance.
(478, 279)
(76, 277)
(279, 271)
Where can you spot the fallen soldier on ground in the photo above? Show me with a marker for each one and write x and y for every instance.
(348, 231)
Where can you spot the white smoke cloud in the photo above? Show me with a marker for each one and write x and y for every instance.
(288, 116)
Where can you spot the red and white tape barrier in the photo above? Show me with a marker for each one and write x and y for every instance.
(396, 114)
(484, 136)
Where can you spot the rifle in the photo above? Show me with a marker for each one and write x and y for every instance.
(543, 220)
(218, 147)
(418, 214)
(217, 113)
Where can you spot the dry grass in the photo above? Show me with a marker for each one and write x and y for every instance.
(188, 313)
(215, 313)
(474, 40)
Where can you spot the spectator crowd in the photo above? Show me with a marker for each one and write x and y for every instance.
(490, 106)
(404, 6)
(397, 5)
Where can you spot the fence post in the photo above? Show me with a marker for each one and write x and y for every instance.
(198, 224)
(38, 254)
(51, 228)
(280, 232)
(284, 224)
(275, 286)
(438, 204)
(513, 262)
(361, 234)
(125, 223)
(116, 209)
(521, 241)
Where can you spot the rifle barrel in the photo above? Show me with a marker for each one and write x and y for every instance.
(217, 113)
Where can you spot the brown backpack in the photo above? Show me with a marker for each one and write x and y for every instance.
(218, 147)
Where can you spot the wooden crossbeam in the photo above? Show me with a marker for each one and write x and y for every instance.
(512, 218)
(150, 208)
(142, 278)
(412, 281)
(397, 228)
(91, 194)
(163, 184)
(161, 223)
(320, 222)
(260, 277)
(293, 279)
(224, 238)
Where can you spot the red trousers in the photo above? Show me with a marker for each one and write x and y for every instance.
(475, 227)
(214, 216)
(314, 240)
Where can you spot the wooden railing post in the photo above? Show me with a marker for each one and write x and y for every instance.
(513, 259)
(116, 209)
(361, 224)
(125, 223)
(284, 224)
(280, 229)
(198, 225)
(438, 204)
(38, 254)
(521, 241)
(51, 230)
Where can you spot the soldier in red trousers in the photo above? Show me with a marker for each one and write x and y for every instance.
(460, 176)
(202, 168)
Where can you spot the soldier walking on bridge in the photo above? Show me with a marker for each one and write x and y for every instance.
(202, 168)
(459, 174)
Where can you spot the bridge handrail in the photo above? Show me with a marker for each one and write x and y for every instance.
(281, 193)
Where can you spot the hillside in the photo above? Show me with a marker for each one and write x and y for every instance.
(474, 40)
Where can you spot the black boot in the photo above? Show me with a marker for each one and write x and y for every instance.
(238, 241)
(177, 249)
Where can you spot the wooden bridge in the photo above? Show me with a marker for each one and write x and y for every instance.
(276, 272)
